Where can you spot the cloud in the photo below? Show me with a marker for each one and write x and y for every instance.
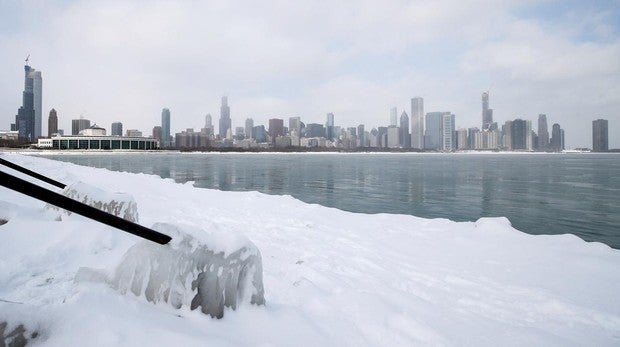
(120, 60)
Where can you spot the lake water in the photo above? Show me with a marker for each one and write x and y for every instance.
(539, 193)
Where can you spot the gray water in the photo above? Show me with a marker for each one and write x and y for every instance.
(539, 193)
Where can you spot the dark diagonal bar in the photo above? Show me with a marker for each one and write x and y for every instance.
(32, 190)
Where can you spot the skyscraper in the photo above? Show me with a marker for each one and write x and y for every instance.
(276, 128)
(543, 133)
(117, 130)
(417, 123)
(156, 132)
(249, 125)
(433, 131)
(393, 117)
(448, 132)
(52, 123)
(329, 126)
(557, 142)
(25, 118)
(225, 122)
(600, 140)
(405, 138)
(487, 113)
(165, 128)
(361, 136)
(37, 89)
(78, 125)
(294, 125)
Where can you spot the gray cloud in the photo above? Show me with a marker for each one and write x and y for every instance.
(125, 61)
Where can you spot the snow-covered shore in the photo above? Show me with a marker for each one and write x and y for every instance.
(331, 277)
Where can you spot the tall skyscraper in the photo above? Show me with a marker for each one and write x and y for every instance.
(117, 130)
(543, 133)
(78, 125)
(329, 126)
(448, 132)
(294, 125)
(556, 143)
(405, 138)
(52, 123)
(156, 132)
(361, 136)
(208, 120)
(37, 88)
(276, 128)
(600, 139)
(249, 125)
(487, 113)
(393, 117)
(433, 132)
(165, 128)
(25, 118)
(225, 122)
(417, 123)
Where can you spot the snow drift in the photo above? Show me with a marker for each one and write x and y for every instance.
(331, 278)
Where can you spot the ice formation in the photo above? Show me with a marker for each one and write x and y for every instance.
(188, 272)
(119, 204)
(332, 278)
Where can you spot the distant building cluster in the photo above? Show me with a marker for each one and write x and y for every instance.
(416, 130)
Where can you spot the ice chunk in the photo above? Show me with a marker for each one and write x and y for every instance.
(119, 204)
(191, 272)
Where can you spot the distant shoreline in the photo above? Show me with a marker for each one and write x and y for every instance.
(277, 151)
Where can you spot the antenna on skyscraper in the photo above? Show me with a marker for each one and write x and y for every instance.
(27, 58)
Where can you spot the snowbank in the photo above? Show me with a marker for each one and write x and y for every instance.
(330, 277)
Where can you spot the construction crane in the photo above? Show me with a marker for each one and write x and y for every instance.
(27, 58)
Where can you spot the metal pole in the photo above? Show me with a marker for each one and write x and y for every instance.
(31, 173)
(32, 190)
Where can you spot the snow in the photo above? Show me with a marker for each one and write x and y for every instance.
(330, 277)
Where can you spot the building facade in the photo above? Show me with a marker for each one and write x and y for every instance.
(600, 139)
(225, 122)
(417, 123)
(117, 129)
(78, 125)
(165, 128)
(52, 123)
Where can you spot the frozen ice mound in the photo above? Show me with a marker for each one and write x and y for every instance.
(121, 205)
(196, 269)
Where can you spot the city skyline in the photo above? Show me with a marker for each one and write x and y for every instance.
(558, 59)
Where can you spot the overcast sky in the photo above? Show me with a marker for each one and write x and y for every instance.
(121, 61)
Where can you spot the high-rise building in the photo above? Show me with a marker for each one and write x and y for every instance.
(393, 117)
(165, 128)
(433, 131)
(37, 89)
(600, 139)
(156, 132)
(448, 132)
(249, 125)
(78, 125)
(543, 133)
(461, 139)
(487, 113)
(405, 138)
(52, 123)
(259, 133)
(519, 134)
(556, 142)
(25, 118)
(361, 136)
(225, 122)
(117, 130)
(417, 123)
(276, 128)
(393, 133)
(329, 126)
(294, 125)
